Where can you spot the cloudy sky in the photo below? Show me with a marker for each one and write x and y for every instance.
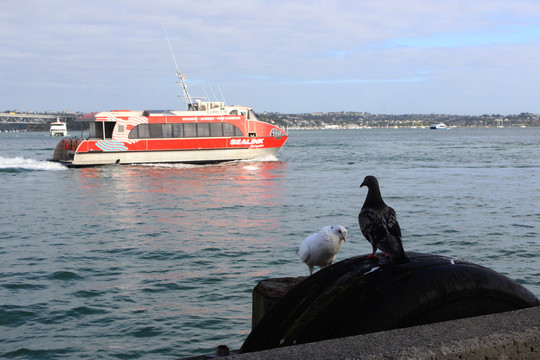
(289, 56)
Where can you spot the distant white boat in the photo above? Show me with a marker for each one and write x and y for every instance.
(58, 128)
(438, 126)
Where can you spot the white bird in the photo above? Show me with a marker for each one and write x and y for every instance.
(320, 249)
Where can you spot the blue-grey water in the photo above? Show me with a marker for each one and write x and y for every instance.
(158, 262)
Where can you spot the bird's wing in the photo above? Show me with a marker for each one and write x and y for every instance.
(372, 224)
(321, 247)
(392, 244)
(392, 223)
(304, 252)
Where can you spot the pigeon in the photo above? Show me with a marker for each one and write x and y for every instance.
(320, 249)
(379, 224)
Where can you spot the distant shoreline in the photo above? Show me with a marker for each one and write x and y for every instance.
(403, 127)
(315, 120)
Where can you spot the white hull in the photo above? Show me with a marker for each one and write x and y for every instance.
(439, 126)
(171, 156)
(58, 128)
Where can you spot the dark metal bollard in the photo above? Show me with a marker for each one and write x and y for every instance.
(360, 295)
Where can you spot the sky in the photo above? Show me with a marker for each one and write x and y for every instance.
(289, 56)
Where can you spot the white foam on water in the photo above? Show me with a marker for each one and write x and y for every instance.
(169, 165)
(20, 163)
(267, 158)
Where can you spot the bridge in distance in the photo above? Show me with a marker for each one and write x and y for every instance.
(16, 118)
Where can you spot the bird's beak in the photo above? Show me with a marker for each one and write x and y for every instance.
(344, 238)
(363, 184)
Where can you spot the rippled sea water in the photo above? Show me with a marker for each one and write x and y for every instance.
(158, 262)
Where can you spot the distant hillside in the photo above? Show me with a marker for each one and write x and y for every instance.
(358, 119)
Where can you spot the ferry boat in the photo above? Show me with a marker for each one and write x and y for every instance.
(207, 132)
(58, 128)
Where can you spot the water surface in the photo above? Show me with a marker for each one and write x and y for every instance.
(151, 262)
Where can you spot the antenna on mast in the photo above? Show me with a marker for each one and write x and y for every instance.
(222, 97)
(179, 74)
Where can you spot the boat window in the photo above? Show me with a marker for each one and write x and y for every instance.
(96, 130)
(177, 130)
(155, 130)
(216, 129)
(253, 115)
(109, 128)
(190, 130)
(231, 130)
(228, 129)
(144, 131)
(276, 133)
(203, 130)
(134, 133)
(167, 130)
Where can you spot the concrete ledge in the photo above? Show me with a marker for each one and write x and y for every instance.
(509, 335)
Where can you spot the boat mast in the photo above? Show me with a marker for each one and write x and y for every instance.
(180, 76)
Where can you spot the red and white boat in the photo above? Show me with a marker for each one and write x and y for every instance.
(208, 132)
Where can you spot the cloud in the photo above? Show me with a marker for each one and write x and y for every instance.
(93, 55)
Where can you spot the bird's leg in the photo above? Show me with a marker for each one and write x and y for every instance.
(373, 256)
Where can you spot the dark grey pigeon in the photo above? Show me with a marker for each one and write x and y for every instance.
(379, 224)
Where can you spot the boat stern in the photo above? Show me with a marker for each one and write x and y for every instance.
(65, 150)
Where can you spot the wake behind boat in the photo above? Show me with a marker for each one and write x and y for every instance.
(208, 132)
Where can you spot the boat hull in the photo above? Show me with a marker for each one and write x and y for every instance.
(69, 154)
(171, 156)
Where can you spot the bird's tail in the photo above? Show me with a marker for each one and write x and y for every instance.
(399, 258)
(395, 250)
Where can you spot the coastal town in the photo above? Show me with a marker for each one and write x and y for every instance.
(16, 120)
(363, 120)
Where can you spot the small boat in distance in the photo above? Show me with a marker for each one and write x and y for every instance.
(438, 126)
(207, 132)
(58, 128)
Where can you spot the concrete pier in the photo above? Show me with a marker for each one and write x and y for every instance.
(508, 335)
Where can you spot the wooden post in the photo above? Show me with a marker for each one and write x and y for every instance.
(268, 292)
